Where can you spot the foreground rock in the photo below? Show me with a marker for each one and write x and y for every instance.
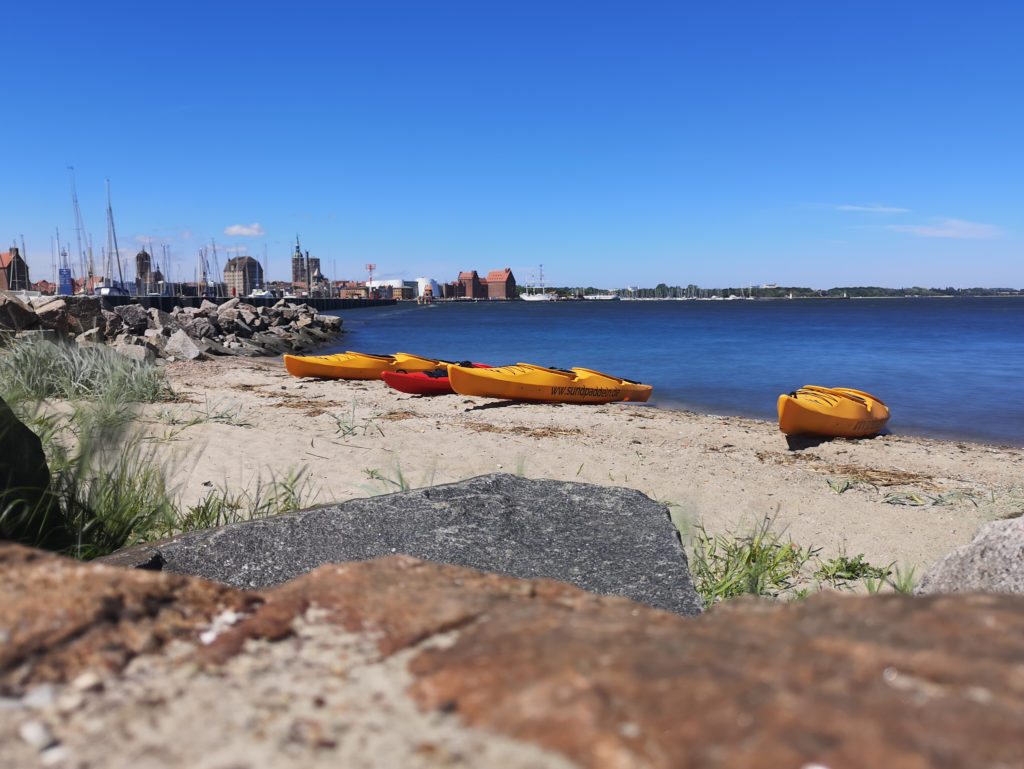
(612, 541)
(24, 486)
(230, 328)
(400, 662)
(992, 562)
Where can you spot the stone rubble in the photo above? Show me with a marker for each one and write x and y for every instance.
(233, 327)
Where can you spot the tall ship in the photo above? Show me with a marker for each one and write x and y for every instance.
(533, 295)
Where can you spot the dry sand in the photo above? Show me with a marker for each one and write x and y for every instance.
(909, 501)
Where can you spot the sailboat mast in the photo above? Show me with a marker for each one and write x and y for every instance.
(113, 236)
(216, 265)
(79, 226)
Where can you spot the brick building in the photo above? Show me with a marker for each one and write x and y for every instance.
(470, 286)
(501, 284)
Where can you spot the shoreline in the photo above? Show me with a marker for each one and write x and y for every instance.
(712, 360)
(909, 432)
(908, 501)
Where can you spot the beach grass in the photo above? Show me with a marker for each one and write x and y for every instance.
(222, 505)
(843, 570)
(109, 486)
(38, 369)
(759, 563)
(105, 490)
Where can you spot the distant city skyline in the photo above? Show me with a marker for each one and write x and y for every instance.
(808, 144)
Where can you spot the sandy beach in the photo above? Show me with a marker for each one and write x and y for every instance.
(898, 500)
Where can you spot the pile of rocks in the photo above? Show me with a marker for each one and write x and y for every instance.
(185, 333)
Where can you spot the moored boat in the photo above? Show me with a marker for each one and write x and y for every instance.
(356, 365)
(525, 381)
(435, 382)
(832, 412)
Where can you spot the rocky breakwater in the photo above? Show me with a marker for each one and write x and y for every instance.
(185, 333)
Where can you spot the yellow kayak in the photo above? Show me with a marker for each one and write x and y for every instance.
(356, 365)
(833, 412)
(525, 381)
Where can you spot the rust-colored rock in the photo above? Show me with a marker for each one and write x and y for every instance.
(59, 617)
(841, 681)
(403, 601)
(891, 681)
(835, 681)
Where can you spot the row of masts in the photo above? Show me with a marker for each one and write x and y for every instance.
(206, 279)
(112, 253)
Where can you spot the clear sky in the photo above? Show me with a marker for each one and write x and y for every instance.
(809, 143)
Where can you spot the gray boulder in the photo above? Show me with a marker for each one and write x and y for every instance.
(331, 322)
(239, 328)
(135, 318)
(112, 324)
(91, 337)
(162, 321)
(181, 346)
(15, 315)
(271, 343)
(86, 312)
(993, 562)
(141, 353)
(53, 315)
(610, 541)
(203, 328)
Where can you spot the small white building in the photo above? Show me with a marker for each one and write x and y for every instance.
(400, 289)
(422, 284)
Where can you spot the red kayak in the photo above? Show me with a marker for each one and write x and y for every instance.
(423, 382)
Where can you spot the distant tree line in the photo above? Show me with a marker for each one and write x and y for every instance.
(692, 291)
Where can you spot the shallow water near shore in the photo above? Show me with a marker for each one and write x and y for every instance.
(947, 368)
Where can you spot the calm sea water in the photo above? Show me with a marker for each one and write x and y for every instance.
(947, 368)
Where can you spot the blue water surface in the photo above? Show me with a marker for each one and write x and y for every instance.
(948, 368)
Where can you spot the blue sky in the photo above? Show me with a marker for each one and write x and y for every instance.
(724, 144)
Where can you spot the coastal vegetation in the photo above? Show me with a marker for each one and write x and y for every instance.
(108, 488)
(762, 562)
(33, 370)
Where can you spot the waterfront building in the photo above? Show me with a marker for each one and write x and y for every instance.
(143, 269)
(298, 264)
(243, 274)
(427, 287)
(14, 271)
(501, 284)
(306, 271)
(470, 286)
(392, 289)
